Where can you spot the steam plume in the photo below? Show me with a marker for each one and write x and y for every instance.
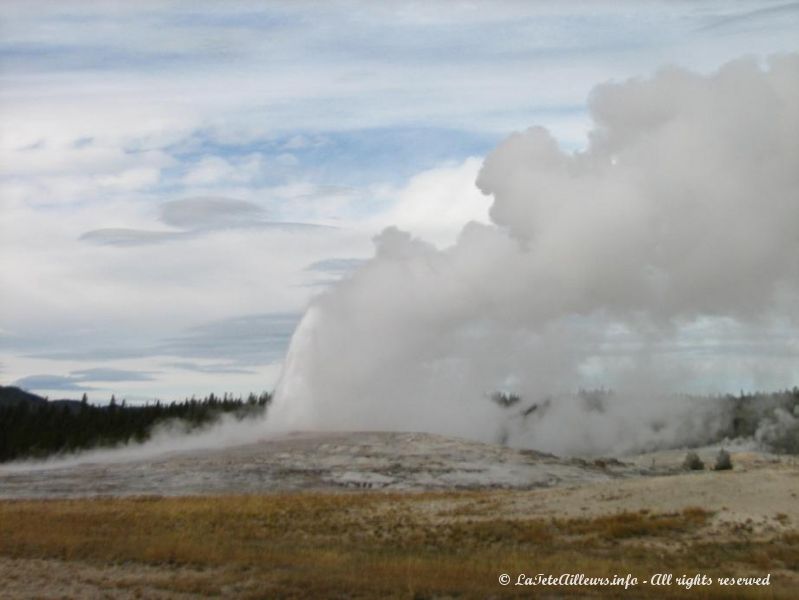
(682, 213)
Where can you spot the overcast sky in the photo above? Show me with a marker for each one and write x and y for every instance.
(179, 179)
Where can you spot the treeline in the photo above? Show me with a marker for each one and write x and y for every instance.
(31, 427)
(771, 418)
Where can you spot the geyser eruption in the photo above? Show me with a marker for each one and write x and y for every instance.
(682, 215)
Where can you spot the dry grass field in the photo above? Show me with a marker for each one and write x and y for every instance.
(374, 545)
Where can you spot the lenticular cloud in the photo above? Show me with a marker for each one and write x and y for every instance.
(678, 224)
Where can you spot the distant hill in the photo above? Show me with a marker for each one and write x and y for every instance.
(12, 396)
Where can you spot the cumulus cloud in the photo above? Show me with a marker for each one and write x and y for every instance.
(682, 210)
(436, 204)
(215, 170)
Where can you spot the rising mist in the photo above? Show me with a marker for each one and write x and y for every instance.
(681, 215)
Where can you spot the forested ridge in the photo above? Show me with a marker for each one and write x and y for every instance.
(33, 427)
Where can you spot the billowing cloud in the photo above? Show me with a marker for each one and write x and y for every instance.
(436, 204)
(681, 212)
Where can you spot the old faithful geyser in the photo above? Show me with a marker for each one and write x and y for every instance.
(681, 215)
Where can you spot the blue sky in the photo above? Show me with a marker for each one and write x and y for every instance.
(288, 134)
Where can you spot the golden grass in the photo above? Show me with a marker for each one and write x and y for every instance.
(370, 545)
